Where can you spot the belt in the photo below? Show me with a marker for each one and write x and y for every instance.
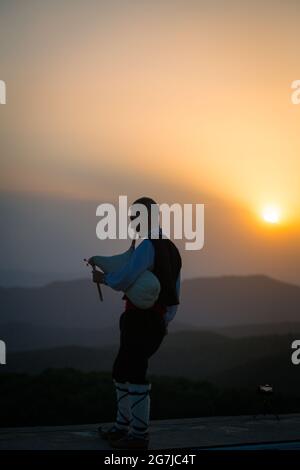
(158, 308)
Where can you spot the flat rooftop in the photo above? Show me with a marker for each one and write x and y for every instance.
(241, 431)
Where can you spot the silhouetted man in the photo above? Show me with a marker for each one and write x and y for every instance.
(142, 331)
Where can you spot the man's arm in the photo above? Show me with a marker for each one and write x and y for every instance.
(142, 259)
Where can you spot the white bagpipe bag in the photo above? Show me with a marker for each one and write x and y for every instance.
(144, 292)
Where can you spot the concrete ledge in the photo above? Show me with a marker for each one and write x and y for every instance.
(165, 434)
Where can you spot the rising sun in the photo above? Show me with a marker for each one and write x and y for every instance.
(271, 214)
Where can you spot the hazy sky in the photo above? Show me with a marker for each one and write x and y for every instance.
(183, 100)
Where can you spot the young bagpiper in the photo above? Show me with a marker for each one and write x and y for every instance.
(142, 332)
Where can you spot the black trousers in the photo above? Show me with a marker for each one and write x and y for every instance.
(142, 332)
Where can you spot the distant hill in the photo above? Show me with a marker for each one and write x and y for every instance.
(84, 359)
(232, 331)
(69, 312)
(239, 300)
(68, 396)
(205, 303)
(192, 354)
(70, 304)
(284, 328)
(27, 337)
(276, 369)
(19, 278)
(228, 361)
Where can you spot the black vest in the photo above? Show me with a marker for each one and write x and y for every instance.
(167, 265)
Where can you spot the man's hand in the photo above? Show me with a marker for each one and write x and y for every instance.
(98, 277)
(90, 261)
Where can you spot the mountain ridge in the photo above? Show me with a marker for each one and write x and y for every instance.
(224, 361)
(206, 302)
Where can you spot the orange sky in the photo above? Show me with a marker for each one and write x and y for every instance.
(183, 98)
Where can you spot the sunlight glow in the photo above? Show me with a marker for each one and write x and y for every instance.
(271, 214)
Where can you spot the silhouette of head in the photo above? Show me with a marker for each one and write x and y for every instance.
(150, 204)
